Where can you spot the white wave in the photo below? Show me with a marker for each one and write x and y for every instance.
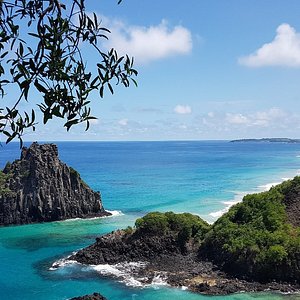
(114, 213)
(127, 272)
(238, 197)
(123, 271)
(230, 202)
(219, 213)
(159, 279)
(71, 220)
(266, 187)
(63, 262)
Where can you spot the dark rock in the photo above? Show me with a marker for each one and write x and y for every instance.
(95, 296)
(40, 188)
(292, 202)
(119, 247)
(162, 255)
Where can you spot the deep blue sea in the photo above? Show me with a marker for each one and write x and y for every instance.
(201, 177)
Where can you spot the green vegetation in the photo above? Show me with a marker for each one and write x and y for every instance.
(185, 225)
(129, 230)
(255, 239)
(73, 172)
(3, 188)
(45, 63)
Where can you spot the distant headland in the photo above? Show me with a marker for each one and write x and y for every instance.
(267, 140)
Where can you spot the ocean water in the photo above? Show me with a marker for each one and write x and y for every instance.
(204, 178)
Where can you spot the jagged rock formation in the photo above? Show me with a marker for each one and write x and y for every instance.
(40, 188)
(95, 296)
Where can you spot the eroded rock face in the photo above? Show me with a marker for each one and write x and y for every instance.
(40, 188)
(95, 296)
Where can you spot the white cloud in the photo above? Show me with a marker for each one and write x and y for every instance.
(236, 119)
(123, 122)
(273, 117)
(264, 118)
(183, 109)
(284, 50)
(147, 44)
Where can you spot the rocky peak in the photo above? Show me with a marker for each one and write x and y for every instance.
(39, 187)
(38, 152)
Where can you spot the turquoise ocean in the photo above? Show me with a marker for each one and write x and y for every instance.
(201, 177)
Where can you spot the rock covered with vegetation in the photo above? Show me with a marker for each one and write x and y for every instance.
(155, 234)
(39, 188)
(259, 238)
(253, 247)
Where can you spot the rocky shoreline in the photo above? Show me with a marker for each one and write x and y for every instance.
(164, 258)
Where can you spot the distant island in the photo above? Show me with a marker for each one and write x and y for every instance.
(267, 140)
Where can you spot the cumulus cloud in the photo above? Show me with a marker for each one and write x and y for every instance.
(284, 50)
(182, 109)
(147, 44)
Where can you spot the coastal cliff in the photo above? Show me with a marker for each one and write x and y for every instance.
(253, 247)
(40, 188)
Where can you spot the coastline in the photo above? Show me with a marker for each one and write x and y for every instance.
(238, 195)
(164, 269)
(111, 214)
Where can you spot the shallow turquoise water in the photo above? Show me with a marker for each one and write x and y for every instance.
(134, 178)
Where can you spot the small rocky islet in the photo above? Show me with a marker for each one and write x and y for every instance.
(94, 296)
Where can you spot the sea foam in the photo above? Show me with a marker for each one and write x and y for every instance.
(123, 271)
(114, 213)
(126, 272)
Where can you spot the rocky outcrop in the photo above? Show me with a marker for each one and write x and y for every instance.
(95, 296)
(253, 247)
(40, 188)
(119, 246)
(162, 257)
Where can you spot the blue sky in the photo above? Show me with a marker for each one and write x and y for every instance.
(207, 70)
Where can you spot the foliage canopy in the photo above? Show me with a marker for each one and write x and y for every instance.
(255, 237)
(40, 53)
(185, 226)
